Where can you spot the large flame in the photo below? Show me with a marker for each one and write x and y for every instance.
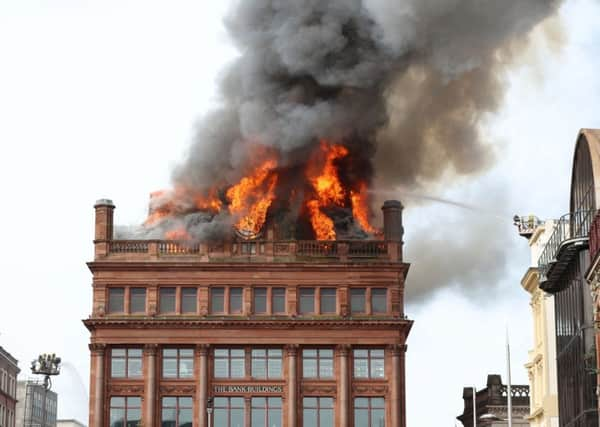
(251, 197)
(323, 175)
(360, 207)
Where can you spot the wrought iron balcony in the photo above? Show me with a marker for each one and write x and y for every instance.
(570, 235)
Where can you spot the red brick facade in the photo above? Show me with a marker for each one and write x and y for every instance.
(179, 288)
(8, 388)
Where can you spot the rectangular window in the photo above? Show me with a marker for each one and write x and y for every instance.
(379, 300)
(266, 412)
(369, 411)
(317, 412)
(167, 300)
(266, 363)
(307, 300)
(328, 301)
(137, 300)
(177, 363)
(217, 300)
(260, 300)
(229, 363)
(126, 363)
(278, 300)
(317, 363)
(177, 411)
(369, 363)
(116, 300)
(228, 412)
(125, 411)
(189, 300)
(357, 300)
(235, 300)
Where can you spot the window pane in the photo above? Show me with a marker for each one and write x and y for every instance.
(186, 352)
(114, 401)
(117, 417)
(137, 300)
(167, 300)
(377, 418)
(170, 368)
(361, 368)
(307, 300)
(326, 417)
(274, 368)
(260, 300)
(379, 300)
(326, 402)
(326, 368)
(309, 418)
(328, 302)
(189, 298)
(169, 352)
(186, 368)
(377, 402)
(220, 417)
(186, 402)
(309, 353)
(258, 417)
(221, 368)
(134, 416)
(237, 368)
(377, 353)
(278, 300)
(134, 367)
(309, 402)
(237, 418)
(377, 368)
(309, 368)
(361, 418)
(235, 300)
(325, 352)
(116, 298)
(185, 416)
(217, 300)
(117, 367)
(259, 368)
(357, 301)
(169, 402)
(274, 418)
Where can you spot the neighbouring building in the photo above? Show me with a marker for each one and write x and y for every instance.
(36, 405)
(541, 364)
(266, 332)
(9, 370)
(69, 423)
(491, 404)
(562, 267)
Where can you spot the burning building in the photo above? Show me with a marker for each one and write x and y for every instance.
(258, 328)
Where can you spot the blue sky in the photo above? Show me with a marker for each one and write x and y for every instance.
(99, 99)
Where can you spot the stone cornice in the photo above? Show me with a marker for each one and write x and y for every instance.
(96, 266)
(121, 323)
(530, 280)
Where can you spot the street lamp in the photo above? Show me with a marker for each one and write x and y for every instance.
(47, 365)
(209, 410)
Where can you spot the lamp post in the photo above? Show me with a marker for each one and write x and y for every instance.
(47, 365)
(474, 407)
(209, 410)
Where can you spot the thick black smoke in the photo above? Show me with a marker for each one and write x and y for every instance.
(405, 84)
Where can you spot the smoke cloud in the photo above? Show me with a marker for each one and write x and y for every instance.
(405, 85)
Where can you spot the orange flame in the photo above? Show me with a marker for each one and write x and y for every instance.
(323, 175)
(360, 209)
(210, 202)
(251, 197)
(177, 234)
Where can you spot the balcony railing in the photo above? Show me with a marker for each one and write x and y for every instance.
(240, 251)
(570, 235)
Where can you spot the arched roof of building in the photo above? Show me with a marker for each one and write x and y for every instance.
(590, 137)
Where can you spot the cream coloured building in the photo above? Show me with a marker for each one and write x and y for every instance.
(541, 365)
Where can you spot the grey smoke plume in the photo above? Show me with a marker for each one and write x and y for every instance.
(404, 84)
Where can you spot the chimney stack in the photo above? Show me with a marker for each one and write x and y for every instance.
(392, 220)
(104, 220)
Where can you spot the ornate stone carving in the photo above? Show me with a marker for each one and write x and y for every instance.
(397, 349)
(291, 349)
(97, 348)
(178, 389)
(370, 389)
(317, 389)
(126, 389)
(150, 349)
(202, 349)
(343, 350)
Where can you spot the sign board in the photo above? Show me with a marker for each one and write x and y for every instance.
(247, 389)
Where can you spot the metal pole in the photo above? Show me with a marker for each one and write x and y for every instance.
(474, 407)
(508, 386)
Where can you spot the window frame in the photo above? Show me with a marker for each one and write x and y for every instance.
(268, 360)
(161, 298)
(369, 360)
(177, 408)
(126, 408)
(230, 299)
(126, 358)
(211, 307)
(335, 300)
(318, 359)
(370, 407)
(267, 408)
(302, 312)
(318, 409)
(178, 358)
(229, 358)
(195, 299)
(229, 407)
(273, 296)
(110, 290)
(255, 297)
(364, 297)
(131, 296)
(386, 300)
